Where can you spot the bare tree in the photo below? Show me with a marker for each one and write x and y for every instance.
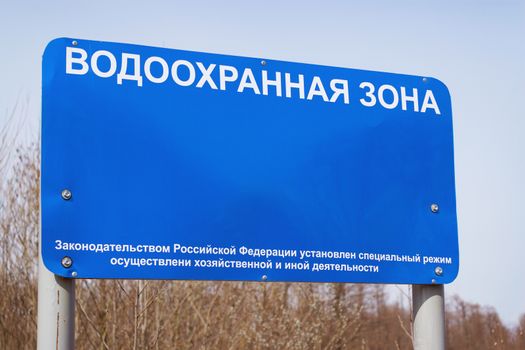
(125, 314)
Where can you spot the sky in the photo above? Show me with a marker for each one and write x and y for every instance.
(474, 47)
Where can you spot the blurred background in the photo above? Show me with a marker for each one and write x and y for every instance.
(474, 47)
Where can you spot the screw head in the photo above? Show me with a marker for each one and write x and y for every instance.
(434, 208)
(74, 274)
(433, 281)
(74, 43)
(264, 277)
(438, 270)
(66, 194)
(425, 80)
(263, 62)
(67, 262)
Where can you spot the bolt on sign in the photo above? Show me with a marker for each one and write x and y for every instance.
(170, 164)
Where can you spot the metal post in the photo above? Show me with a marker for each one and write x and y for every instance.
(428, 308)
(56, 311)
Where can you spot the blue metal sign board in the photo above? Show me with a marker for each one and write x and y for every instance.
(169, 164)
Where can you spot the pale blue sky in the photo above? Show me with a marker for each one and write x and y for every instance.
(475, 47)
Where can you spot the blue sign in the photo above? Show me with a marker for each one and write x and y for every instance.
(169, 164)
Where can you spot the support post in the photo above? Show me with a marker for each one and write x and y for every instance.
(428, 311)
(56, 310)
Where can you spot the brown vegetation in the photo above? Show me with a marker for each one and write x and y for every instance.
(119, 314)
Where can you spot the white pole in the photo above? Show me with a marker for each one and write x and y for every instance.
(428, 308)
(56, 310)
